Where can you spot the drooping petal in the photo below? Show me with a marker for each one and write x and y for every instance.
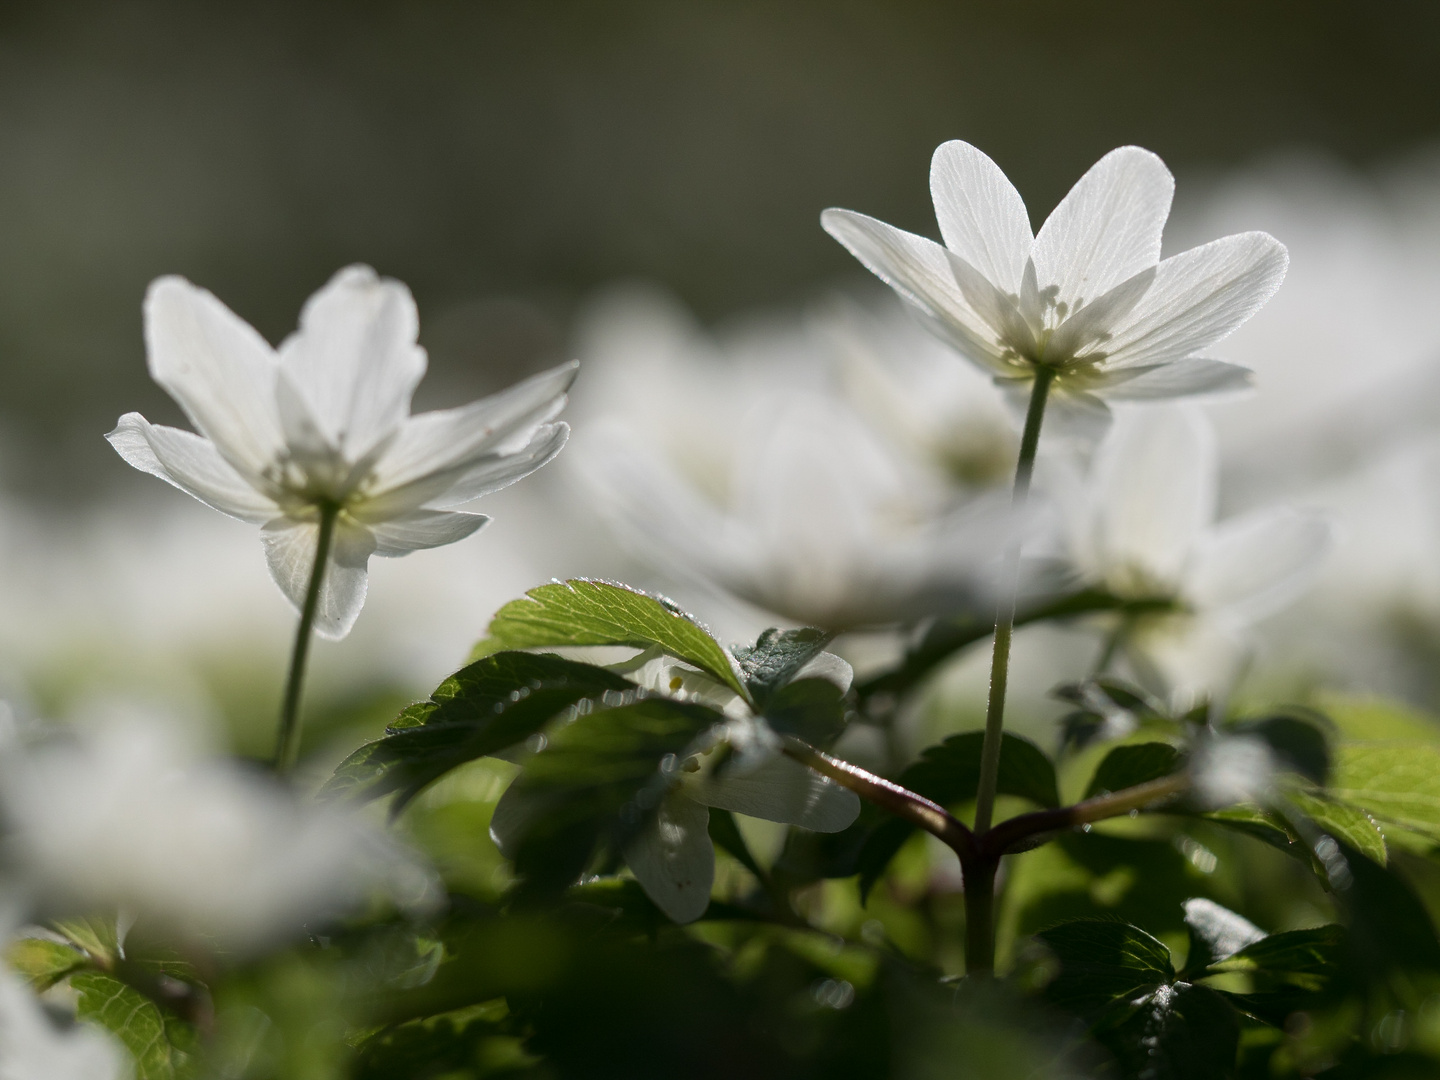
(218, 368)
(1107, 228)
(1198, 297)
(673, 859)
(355, 359)
(919, 270)
(1254, 565)
(424, 529)
(468, 480)
(1180, 378)
(191, 464)
(785, 791)
(981, 215)
(290, 551)
(1154, 493)
(438, 442)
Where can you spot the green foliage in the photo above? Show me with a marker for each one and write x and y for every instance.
(43, 962)
(1126, 766)
(777, 657)
(585, 612)
(160, 1044)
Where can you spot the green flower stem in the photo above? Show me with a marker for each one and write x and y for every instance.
(1005, 610)
(979, 879)
(288, 745)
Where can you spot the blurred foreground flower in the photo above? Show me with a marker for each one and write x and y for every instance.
(744, 465)
(1142, 528)
(738, 767)
(1087, 300)
(129, 815)
(316, 437)
(32, 1047)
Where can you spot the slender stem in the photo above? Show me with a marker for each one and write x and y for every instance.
(1005, 609)
(887, 795)
(979, 877)
(1014, 831)
(288, 745)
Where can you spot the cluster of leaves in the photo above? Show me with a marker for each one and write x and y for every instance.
(1132, 946)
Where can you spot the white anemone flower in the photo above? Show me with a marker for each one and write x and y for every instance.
(672, 856)
(322, 426)
(33, 1047)
(1088, 297)
(742, 464)
(1143, 529)
(133, 813)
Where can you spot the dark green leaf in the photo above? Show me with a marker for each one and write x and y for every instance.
(810, 709)
(487, 706)
(948, 774)
(596, 782)
(1296, 738)
(1215, 933)
(726, 834)
(1126, 766)
(1102, 960)
(135, 1020)
(1389, 928)
(1179, 1032)
(1303, 958)
(777, 657)
(42, 962)
(586, 612)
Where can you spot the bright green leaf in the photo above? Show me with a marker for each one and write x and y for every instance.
(1396, 782)
(586, 612)
(135, 1020)
(43, 962)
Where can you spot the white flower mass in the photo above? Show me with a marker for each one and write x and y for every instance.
(1087, 297)
(324, 422)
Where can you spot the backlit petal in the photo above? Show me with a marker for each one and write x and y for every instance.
(981, 215)
(192, 464)
(782, 790)
(1107, 228)
(424, 529)
(673, 859)
(1254, 565)
(290, 552)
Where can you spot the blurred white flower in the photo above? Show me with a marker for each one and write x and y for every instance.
(1142, 528)
(672, 856)
(33, 1047)
(130, 814)
(1230, 769)
(322, 426)
(1088, 296)
(745, 467)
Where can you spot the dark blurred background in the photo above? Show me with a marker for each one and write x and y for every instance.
(506, 158)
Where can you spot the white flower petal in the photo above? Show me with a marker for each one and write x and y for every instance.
(1154, 494)
(1198, 297)
(218, 368)
(981, 215)
(1107, 228)
(1089, 329)
(827, 665)
(1179, 378)
(191, 464)
(435, 442)
(469, 480)
(1254, 565)
(33, 1048)
(919, 270)
(290, 552)
(999, 311)
(355, 358)
(673, 859)
(782, 790)
(1184, 659)
(424, 529)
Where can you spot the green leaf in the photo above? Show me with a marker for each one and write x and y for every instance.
(135, 1020)
(487, 706)
(43, 963)
(1304, 958)
(586, 612)
(1398, 783)
(1126, 766)
(1215, 933)
(1102, 960)
(726, 834)
(1179, 1032)
(810, 709)
(595, 783)
(1341, 820)
(1297, 738)
(777, 657)
(98, 937)
(1389, 928)
(949, 773)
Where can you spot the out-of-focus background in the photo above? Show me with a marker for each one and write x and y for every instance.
(512, 161)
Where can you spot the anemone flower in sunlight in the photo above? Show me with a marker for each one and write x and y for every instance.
(316, 437)
(132, 812)
(1142, 529)
(33, 1047)
(745, 463)
(672, 856)
(1087, 301)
